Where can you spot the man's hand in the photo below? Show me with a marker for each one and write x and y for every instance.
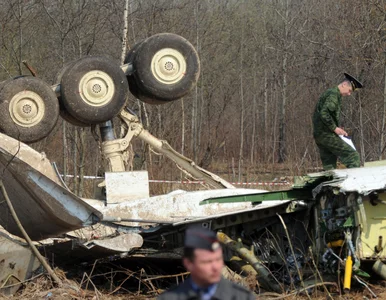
(340, 131)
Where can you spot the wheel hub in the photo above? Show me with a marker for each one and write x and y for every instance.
(96, 88)
(27, 108)
(168, 66)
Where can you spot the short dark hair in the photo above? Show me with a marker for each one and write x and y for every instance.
(189, 253)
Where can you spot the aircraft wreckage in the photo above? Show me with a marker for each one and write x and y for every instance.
(332, 221)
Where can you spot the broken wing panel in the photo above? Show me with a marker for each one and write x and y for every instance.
(17, 263)
(177, 206)
(248, 212)
(76, 251)
(45, 208)
(360, 180)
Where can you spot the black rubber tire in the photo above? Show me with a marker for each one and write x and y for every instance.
(66, 66)
(62, 110)
(129, 58)
(13, 93)
(111, 82)
(69, 118)
(133, 86)
(148, 84)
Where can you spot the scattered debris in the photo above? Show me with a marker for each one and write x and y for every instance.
(282, 244)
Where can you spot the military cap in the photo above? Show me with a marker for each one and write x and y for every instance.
(201, 238)
(355, 83)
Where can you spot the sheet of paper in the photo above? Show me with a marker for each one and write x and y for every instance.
(348, 141)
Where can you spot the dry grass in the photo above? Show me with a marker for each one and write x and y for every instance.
(43, 288)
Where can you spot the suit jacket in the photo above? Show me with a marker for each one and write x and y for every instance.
(226, 290)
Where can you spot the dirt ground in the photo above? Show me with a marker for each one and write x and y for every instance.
(43, 288)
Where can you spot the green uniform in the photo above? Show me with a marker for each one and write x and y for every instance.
(325, 120)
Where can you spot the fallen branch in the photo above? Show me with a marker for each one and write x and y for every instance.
(27, 238)
(89, 276)
(30, 68)
(166, 276)
(293, 254)
(300, 290)
(97, 292)
(320, 275)
(20, 282)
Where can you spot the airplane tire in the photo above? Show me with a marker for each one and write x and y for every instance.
(29, 109)
(166, 67)
(65, 115)
(94, 89)
(133, 86)
(130, 78)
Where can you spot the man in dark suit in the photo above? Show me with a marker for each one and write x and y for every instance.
(203, 258)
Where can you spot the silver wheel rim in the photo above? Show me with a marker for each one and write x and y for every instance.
(96, 88)
(168, 66)
(27, 108)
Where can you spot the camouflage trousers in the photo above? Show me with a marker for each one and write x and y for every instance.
(331, 147)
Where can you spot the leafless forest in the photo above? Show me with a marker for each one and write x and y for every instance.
(263, 65)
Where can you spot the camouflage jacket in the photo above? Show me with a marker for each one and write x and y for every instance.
(327, 112)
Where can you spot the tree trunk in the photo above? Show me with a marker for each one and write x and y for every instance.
(182, 127)
(254, 112)
(125, 30)
(75, 160)
(64, 123)
(77, 142)
(65, 147)
(195, 99)
(383, 125)
(275, 99)
(282, 112)
(20, 38)
(265, 120)
(241, 104)
(282, 145)
(82, 157)
(362, 140)
(132, 22)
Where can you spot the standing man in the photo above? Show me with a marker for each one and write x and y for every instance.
(326, 126)
(203, 258)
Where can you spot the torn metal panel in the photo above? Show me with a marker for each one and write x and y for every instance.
(248, 214)
(372, 240)
(44, 207)
(126, 186)
(74, 251)
(177, 206)
(17, 263)
(294, 194)
(360, 180)
(91, 232)
(121, 243)
(263, 206)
